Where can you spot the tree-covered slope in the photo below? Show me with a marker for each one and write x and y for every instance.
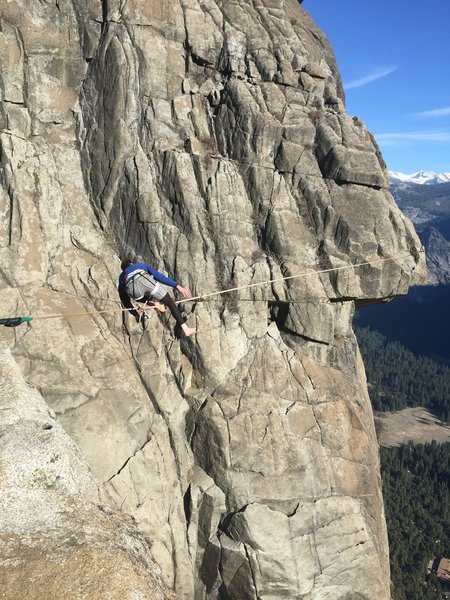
(398, 378)
(417, 503)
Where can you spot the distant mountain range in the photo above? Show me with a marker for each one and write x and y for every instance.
(420, 320)
(428, 207)
(419, 178)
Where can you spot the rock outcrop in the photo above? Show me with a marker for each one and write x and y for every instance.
(56, 538)
(427, 207)
(211, 139)
(438, 256)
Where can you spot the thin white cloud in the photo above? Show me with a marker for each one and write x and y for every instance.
(394, 138)
(372, 76)
(437, 112)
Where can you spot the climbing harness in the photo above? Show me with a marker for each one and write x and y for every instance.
(140, 282)
(14, 321)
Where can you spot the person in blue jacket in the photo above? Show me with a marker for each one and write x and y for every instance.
(144, 284)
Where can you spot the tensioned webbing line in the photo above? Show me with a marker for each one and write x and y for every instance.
(305, 274)
(399, 257)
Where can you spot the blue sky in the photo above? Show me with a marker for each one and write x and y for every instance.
(394, 59)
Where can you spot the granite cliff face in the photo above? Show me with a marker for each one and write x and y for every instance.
(211, 139)
(57, 537)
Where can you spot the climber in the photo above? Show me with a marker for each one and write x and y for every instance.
(144, 284)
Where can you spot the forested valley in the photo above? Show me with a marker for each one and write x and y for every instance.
(417, 503)
(398, 378)
(416, 477)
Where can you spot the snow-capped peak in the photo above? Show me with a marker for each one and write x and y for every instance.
(420, 177)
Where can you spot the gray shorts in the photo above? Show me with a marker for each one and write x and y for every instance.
(143, 284)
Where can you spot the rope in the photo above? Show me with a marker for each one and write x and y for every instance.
(305, 274)
(220, 292)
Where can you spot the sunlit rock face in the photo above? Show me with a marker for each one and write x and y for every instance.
(57, 538)
(211, 139)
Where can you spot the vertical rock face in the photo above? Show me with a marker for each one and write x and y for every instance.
(56, 541)
(211, 139)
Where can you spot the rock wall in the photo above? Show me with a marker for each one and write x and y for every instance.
(57, 537)
(211, 139)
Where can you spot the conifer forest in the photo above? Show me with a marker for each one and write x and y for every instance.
(416, 477)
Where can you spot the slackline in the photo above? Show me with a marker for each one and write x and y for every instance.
(15, 321)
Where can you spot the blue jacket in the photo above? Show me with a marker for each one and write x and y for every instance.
(124, 297)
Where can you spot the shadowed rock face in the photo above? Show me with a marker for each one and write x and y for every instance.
(211, 139)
